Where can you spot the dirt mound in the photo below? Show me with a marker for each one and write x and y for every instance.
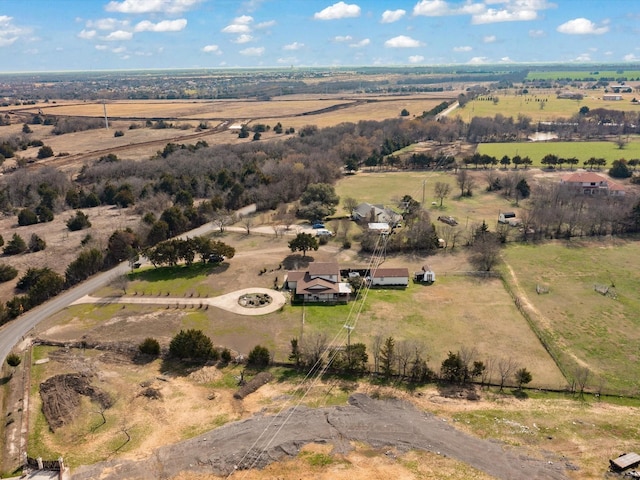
(252, 385)
(61, 397)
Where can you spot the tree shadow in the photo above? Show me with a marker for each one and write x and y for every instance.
(454, 390)
(5, 380)
(172, 367)
(297, 262)
(179, 271)
(519, 394)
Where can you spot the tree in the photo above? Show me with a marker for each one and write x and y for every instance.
(87, 263)
(442, 190)
(404, 112)
(523, 376)
(15, 246)
(149, 346)
(620, 169)
(453, 369)
(192, 344)
(295, 355)
(387, 357)
(318, 199)
(259, 357)
(465, 182)
(349, 204)
(79, 222)
(523, 190)
(45, 152)
(303, 242)
(506, 367)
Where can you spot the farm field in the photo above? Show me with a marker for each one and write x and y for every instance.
(510, 105)
(581, 150)
(586, 328)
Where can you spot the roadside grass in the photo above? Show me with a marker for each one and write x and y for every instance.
(177, 280)
(587, 328)
(581, 150)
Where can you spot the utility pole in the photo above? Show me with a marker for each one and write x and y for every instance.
(424, 184)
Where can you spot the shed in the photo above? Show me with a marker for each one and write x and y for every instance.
(389, 277)
(625, 461)
(425, 275)
(505, 216)
(379, 227)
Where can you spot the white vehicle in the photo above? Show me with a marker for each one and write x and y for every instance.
(323, 232)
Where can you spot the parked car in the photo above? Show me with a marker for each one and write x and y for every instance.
(323, 232)
(318, 225)
(215, 258)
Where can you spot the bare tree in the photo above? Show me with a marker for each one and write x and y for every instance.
(121, 282)
(312, 348)
(345, 226)
(222, 219)
(442, 191)
(404, 352)
(465, 182)
(125, 428)
(489, 366)
(506, 368)
(247, 222)
(581, 376)
(100, 411)
(349, 204)
(376, 345)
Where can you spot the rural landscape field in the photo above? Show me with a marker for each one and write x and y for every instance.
(527, 339)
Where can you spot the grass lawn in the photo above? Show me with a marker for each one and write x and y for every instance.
(588, 328)
(581, 150)
(581, 75)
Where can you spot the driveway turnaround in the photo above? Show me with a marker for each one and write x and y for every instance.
(228, 301)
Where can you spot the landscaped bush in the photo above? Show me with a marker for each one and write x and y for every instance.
(149, 346)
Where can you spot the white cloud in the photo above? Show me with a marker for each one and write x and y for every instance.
(337, 11)
(244, 38)
(416, 59)
(107, 24)
(212, 49)
(9, 32)
(362, 43)
(287, 61)
(536, 33)
(495, 16)
(119, 35)
(252, 51)
(119, 50)
(582, 26)
(236, 28)
(489, 39)
(293, 46)
(390, 16)
(240, 24)
(584, 57)
(87, 34)
(268, 24)
(402, 41)
(464, 48)
(506, 60)
(163, 26)
(440, 8)
(151, 6)
(630, 57)
(343, 38)
(101, 47)
(478, 60)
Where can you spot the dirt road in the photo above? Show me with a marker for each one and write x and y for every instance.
(260, 440)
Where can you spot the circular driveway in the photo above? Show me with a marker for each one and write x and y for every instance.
(228, 301)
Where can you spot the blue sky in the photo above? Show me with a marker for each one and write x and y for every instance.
(53, 35)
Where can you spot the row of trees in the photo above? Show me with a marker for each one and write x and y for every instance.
(405, 360)
(170, 252)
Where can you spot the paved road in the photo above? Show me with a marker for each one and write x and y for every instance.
(14, 331)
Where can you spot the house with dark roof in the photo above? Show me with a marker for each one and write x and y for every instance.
(320, 283)
(590, 183)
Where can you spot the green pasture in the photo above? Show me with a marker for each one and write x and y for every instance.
(585, 327)
(582, 75)
(435, 316)
(541, 105)
(581, 150)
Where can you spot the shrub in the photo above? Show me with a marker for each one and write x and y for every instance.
(225, 356)
(118, 133)
(45, 152)
(36, 243)
(192, 344)
(13, 360)
(27, 216)
(80, 221)
(15, 246)
(7, 272)
(149, 346)
(259, 357)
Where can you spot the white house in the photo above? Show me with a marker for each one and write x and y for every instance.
(320, 283)
(589, 183)
(506, 217)
(389, 277)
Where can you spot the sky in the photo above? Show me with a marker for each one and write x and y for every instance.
(91, 35)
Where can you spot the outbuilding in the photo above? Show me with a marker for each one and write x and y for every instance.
(624, 462)
(506, 217)
(389, 277)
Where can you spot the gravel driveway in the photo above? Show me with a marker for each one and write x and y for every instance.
(380, 423)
